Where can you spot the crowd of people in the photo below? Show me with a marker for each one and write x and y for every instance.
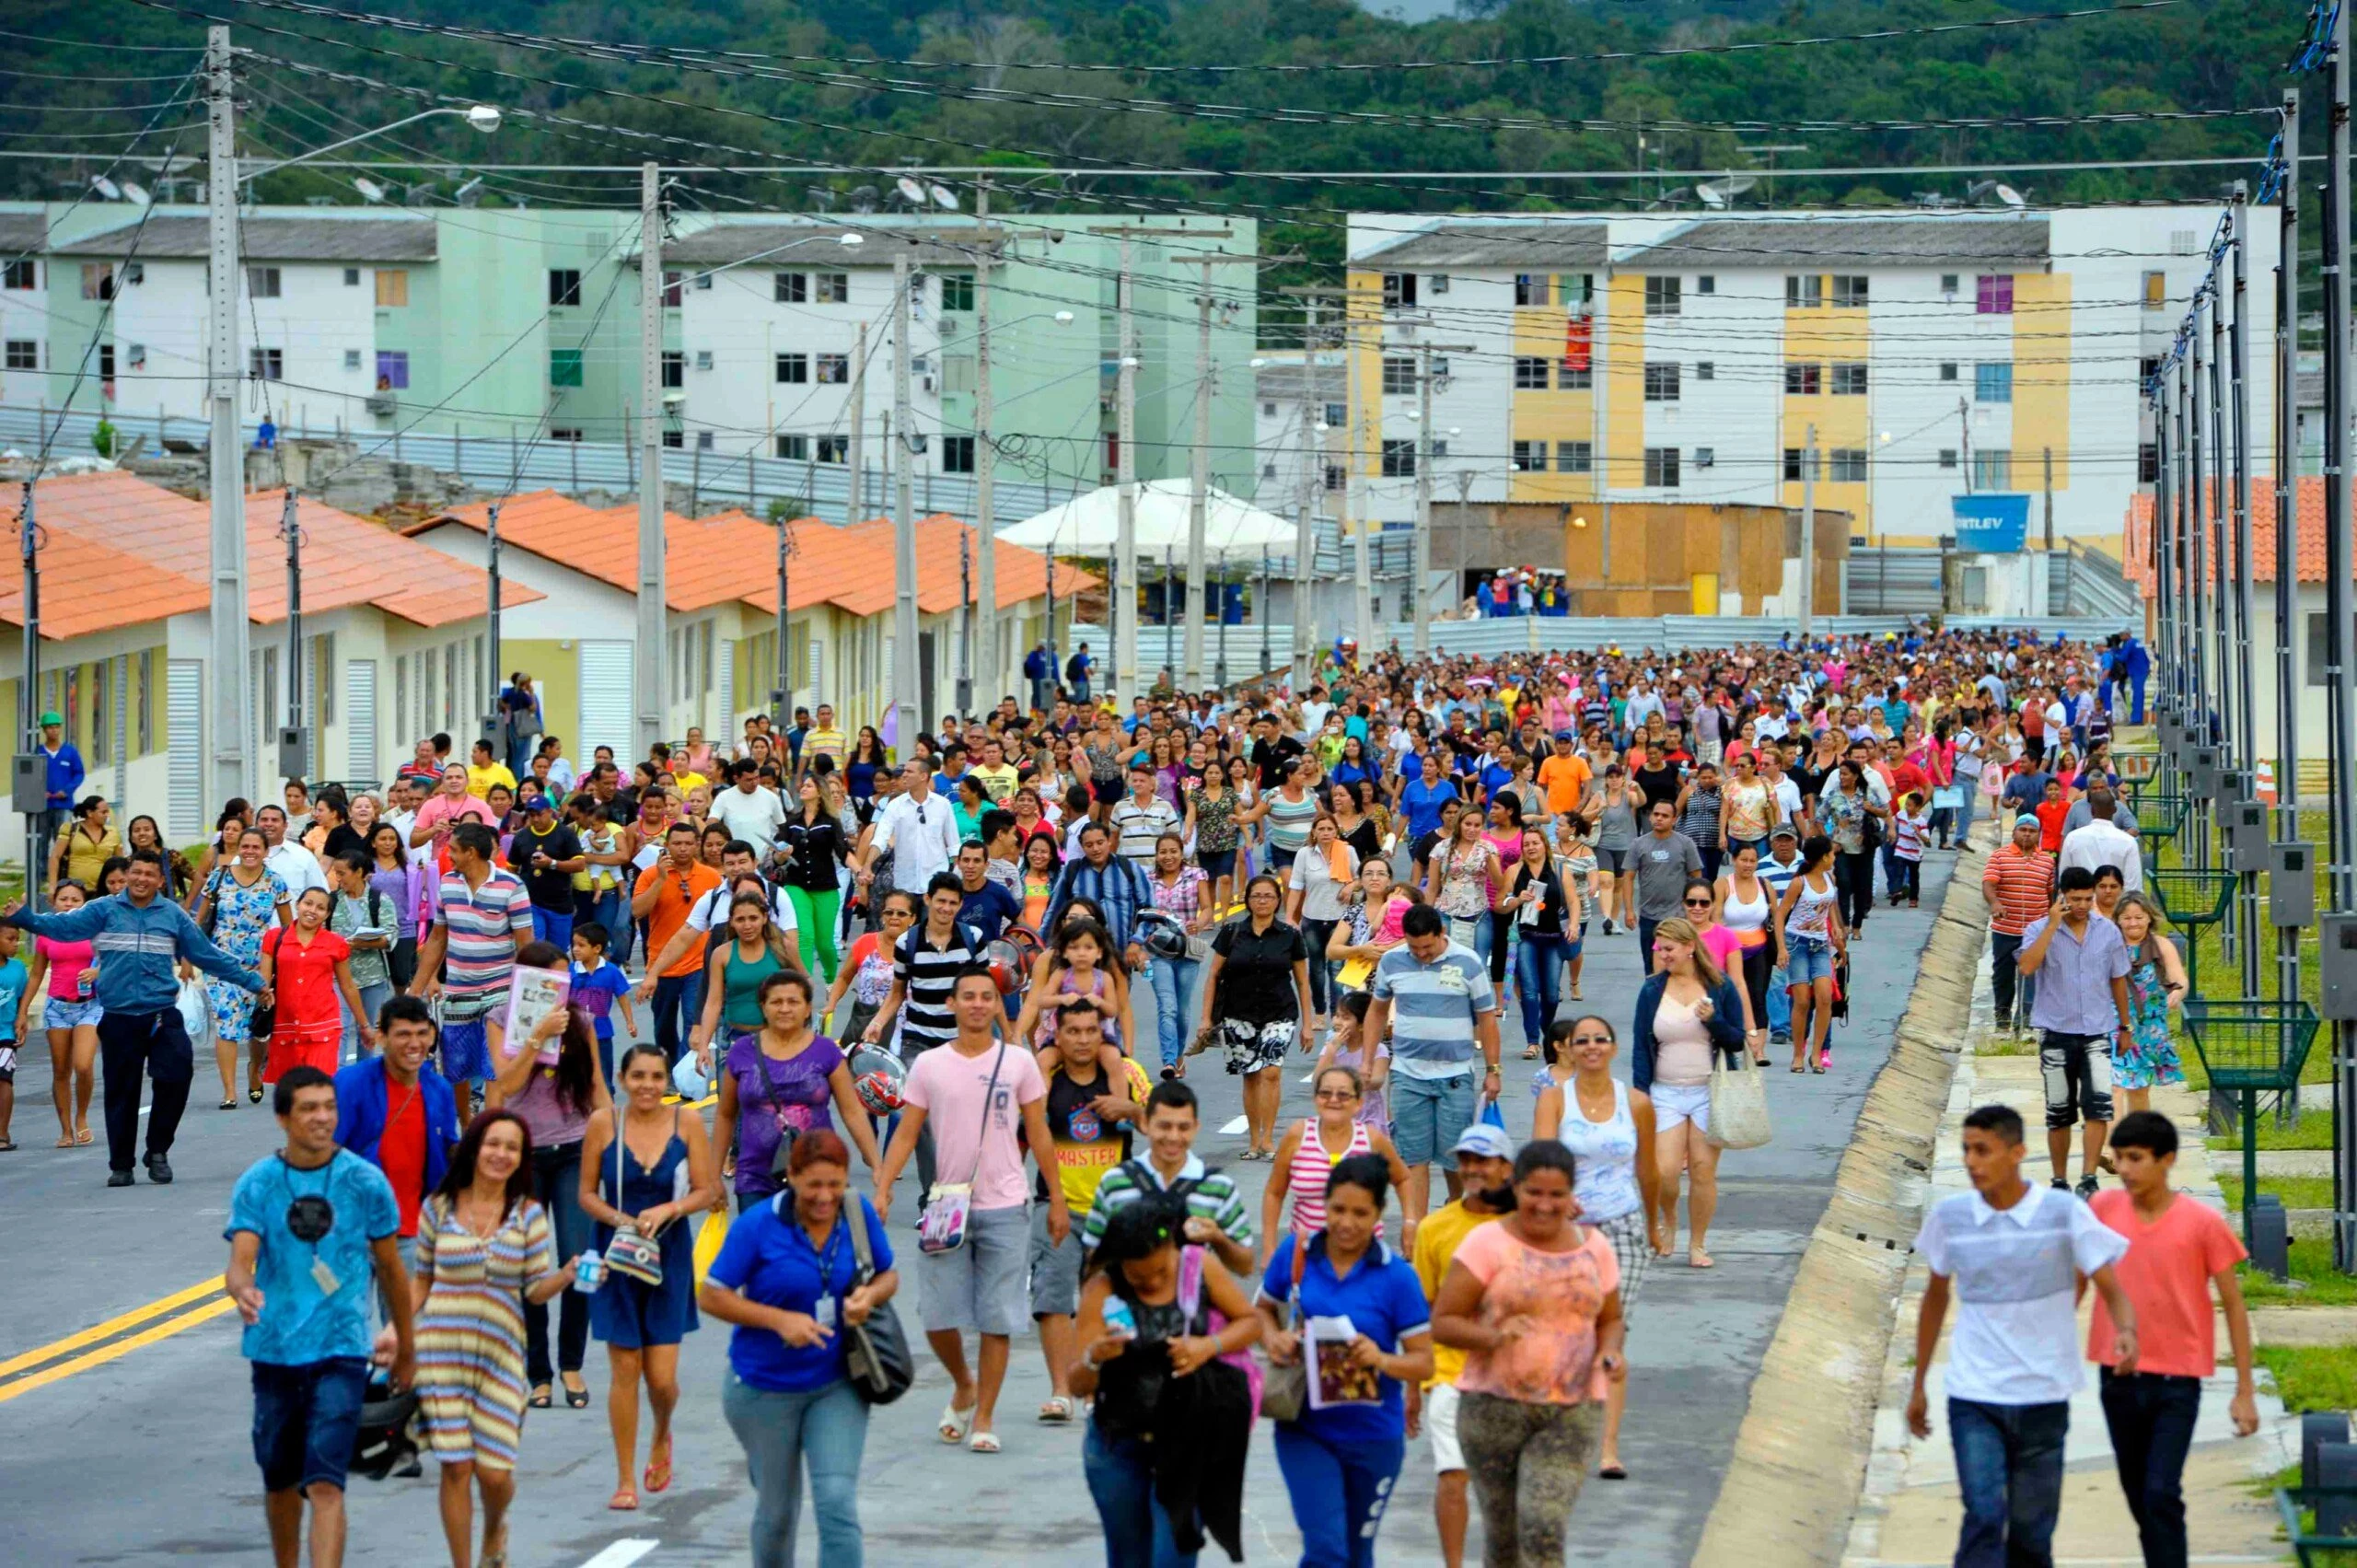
(934, 955)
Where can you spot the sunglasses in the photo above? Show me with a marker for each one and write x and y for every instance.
(1698, 903)
(1338, 1094)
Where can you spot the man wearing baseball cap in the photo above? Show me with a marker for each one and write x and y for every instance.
(1484, 1168)
(64, 773)
(1777, 868)
(546, 853)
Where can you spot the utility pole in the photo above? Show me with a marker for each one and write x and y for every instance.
(491, 620)
(1420, 552)
(2046, 586)
(2287, 525)
(2220, 555)
(651, 670)
(1361, 568)
(2247, 759)
(2341, 625)
(293, 747)
(904, 525)
(1198, 602)
(782, 689)
(854, 483)
(965, 608)
(230, 662)
(1808, 532)
(986, 654)
(1124, 627)
(1313, 463)
(29, 704)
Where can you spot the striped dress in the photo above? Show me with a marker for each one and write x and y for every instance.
(1312, 1166)
(471, 1387)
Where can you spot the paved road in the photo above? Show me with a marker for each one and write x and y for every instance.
(138, 1452)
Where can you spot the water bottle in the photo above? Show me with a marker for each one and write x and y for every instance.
(86, 983)
(589, 1271)
(1119, 1318)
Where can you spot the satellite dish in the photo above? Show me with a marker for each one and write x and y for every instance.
(945, 198)
(822, 198)
(2010, 196)
(468, 195)
(862, 199)
(1711, 195)
(138, 192)
(910, 191)
(106, 187)
(369, 190)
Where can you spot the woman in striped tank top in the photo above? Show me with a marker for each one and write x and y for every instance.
(1307, 1155)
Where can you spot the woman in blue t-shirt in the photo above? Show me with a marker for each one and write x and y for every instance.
(787, 1278)
(1350, 1449)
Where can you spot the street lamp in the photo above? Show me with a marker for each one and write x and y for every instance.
(482, 117)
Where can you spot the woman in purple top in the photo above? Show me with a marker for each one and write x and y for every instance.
(779, 1083)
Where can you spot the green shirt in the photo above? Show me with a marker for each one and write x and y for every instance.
(1211, 1196)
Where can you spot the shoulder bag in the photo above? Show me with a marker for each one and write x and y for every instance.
(942, 1227)
(875, 1354)
(1739, 1102)
(630, 1254)
(1284, 1390)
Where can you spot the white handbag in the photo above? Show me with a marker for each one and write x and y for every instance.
(1739, 1102)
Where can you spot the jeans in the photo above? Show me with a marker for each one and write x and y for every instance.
(2009, 1468)
(556, 1182)
(1137, 1529)
(1179, 1002)
(1338, 1491)
(2150, 1420)
(1906, 879)
(1853, 876)
(555, 926)
(306, 1418)
(613, 913)
(157, 1043)
(1322, 991)
(1645, 928)
(1970, 788)
(1779, 1003)
(373, 998)
(675, 995)
(824, 1430)
(1539, 979)
(2015, 993)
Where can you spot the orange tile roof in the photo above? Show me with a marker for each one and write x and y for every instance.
(699, 569)
(121, 550)
(2309, 531)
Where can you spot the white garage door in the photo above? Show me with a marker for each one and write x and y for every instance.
(606, 717)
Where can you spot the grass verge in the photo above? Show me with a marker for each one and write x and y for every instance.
(2314, 1280)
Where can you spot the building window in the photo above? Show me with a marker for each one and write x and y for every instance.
(834, 449)
(1661, 297)
(105, 361)
(567, 433)
(564, 285)
(1993, 469)
(98, 280)
(1947, 370)
(2156, 290)
(1948, 281)
(957, 454)
(672, 279)
(794, 448)
(793, 369)
(352, 277)
(1440, 450)
(674, 440)
(1399, 289)
(1706, 457)
(392, 288)
(1268, 470)
(1574, 288)
(1948, 457)
(564, 367)
(1530, 456)
(143, 710)
(704, 359)
(1398, 459)
(1574, 456)
(1992, 383)
(1529, 373)
(834, 288)
(1529, 288)
(1398, 375)
(1570, 381)
(958, 291)
(1706, 370)
(1993, 293)
(1268, 410)
(351, 359)
(790, 288)
(1337, 415)
(1335, 477)
(675, 367)
(392, 370)
(1795, 464)
(1661, 468)
(2319, 647)
(2147, 367)
(1660, 383)
(1850, 381)
(1440, 282)
(23, 353)
(1804, 292)
(1848, 465)
(264, 283)
(1804, 381)
(266, 364)
(703, 440)
(23, 273)
(1850, 292)
(2148, 462)
(137, 357)
(834, 369)
(1706, 284)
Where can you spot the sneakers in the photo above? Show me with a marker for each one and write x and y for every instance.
(159, 1170)
(118, 1178)
(2059, 1185)
(1780, 1036)
(2086, 1188)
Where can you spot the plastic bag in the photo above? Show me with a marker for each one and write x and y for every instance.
(196, 1017)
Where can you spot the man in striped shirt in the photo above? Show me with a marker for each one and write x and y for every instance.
(1140, 822)
(1433, 996)
(2018, 884)
(1216, 1215)
(486, 915)
(926, 966)
(1777, 868)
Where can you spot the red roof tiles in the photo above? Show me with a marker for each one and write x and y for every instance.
(2310, 531)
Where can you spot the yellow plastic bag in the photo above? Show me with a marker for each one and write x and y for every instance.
(714, 1231)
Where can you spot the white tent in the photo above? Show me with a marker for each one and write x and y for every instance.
(1089, 525)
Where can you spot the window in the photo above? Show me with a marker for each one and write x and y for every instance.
(675, 368)
(1399, 289)
(1948, 281)
(1706, 457)
(564, 285)
(1706, 284)
(703, 440)
(137, 357)
(674, 440)
(790, 288)
(704, 359)
(143, 710)
(958, 372)
(105, 361)
(392, 370)
(1947, 370)
(1993, 293)
(392, 287)
(352, 277)
(23, 353)
(834, 288)
(266, 364)
(1948, 457)
(1661, 297)
(23, 272)
(1570, 381)
(1993, 469)
(834, 449)
(1992, 383)
(1398, 375)
(958, 291)
(1795, 464)
(98, 280)
(1706, 370)
(1529, 288)
(1337, 415)
(1804, 292)
(1574, 288)
(264, 283)
(1398, 459)
(793, 369)
(1529, 373)
(1850, 381)
(2148, 367)
(1574, 456)
(794, 448)
(957, 454)
(834, 369)
(2148, 462)
(1848, 465)
(672, 279)
(2319, 647)
(1440, 449)
(1804, 381)
(1335, 477)
(1660, 383)
(1529, 457)
(2156, 290)
(1661, 468)
(564, 367)
(1268, 470)
(1849, 292)
(1439, 282)
(567, 433)
(351, 359)
(1268, 410)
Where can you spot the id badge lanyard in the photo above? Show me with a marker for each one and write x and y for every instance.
(309, 1219)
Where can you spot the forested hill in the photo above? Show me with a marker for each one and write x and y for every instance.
(868, 83)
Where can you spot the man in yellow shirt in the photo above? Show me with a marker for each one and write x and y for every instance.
(1564, 776)
(484, 771)
(997, 773)
(1484, 1170)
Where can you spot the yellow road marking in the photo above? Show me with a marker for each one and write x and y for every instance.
(162, 1330)
(112, 1326)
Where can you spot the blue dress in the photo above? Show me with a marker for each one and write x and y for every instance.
(626, 1311)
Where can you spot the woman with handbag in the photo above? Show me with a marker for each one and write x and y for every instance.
(777, 1086)
(792, 1281)
(241, 898)
(1546, 916)
(1340, 1408)
(1686, 1011)
(643, 1170)
(1159, 1321)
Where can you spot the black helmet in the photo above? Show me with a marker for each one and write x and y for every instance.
(1164, 936)
(383, 1442)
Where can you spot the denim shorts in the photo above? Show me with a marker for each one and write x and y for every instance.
(466, 1050)
(56, 1012)
(1428, 1115)
(306, 1420)
(1809, 960)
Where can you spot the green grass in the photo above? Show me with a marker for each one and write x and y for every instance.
(2314, 1280)
(2314, 1131)
(2313, 1377)
(2297, 1191)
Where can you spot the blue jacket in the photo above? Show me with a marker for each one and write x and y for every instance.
(360, 1095)
(65, 773)
(136, 949)
(1725, 1025)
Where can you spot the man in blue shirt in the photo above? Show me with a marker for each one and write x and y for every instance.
(307, 1227)
(64, 773)
(1425, 795)
(983, 904)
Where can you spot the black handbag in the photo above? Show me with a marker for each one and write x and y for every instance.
(875, 1354)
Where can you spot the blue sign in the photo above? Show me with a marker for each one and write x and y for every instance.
(1991, 524)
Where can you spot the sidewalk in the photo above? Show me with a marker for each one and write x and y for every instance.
(1908, 1513)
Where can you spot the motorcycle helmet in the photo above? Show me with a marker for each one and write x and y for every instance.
(1008, 971)
(1164, 936)
(876, 1079)
(383, 1442)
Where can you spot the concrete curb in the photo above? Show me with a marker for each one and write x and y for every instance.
(1800, 1457)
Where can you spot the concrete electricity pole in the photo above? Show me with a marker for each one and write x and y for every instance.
(2340, 616)
(652, 667)
(1809, 531)
(1427, 452)
(908, 652)
(1312, 460)
(233, 732)
(1199, 480)
(857, 452)
(986, 649)
(1363, 569)
(1124, 677)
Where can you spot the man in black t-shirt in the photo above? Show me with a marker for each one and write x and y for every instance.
(1658, 777)
(1271, 750)
(545, 853)
(1090, 1114)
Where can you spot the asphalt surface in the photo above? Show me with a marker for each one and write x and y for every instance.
(132, 1446)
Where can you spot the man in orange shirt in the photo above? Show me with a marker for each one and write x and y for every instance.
(1564, 776)
(665, 891)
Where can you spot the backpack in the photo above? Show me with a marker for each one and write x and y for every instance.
(374, 903)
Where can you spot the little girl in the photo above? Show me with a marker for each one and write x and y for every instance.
(1076, 967)
(1907, 833)
(1371, 1057)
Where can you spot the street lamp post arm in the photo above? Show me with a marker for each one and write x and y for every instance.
(481, 116)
